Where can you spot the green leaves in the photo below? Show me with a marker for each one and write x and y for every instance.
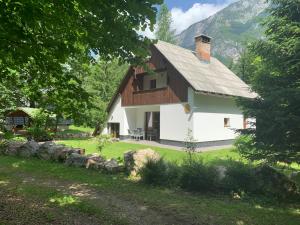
(37, 38)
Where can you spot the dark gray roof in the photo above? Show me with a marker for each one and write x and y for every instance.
(213, 77)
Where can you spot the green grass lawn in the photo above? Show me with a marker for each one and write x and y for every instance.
(76, 130)
(117, 149)
(114, 199)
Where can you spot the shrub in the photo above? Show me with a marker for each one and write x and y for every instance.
(8, 135)
(104, 140)
(159, 172)
(271, 182)
(196, 176)
(190, 144)
(39, 134)
(239, 177)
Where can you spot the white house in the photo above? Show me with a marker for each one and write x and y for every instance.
(186, 90)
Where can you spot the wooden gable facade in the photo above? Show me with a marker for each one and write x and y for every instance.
(133, 94)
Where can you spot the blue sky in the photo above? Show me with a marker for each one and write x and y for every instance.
(186, 4)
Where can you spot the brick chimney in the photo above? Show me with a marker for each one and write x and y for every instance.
(203, 43)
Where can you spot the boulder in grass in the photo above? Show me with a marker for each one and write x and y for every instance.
(76, 160)
(221, 172)
(135, 160)
(95, 161)
(112, 166)
(46, 151)
(12, 147)
(80, 151)
(29, 149)
(61, 153)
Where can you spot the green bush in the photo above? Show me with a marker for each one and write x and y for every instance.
(159, 172)
(39, 134)
(239, 177)
(197, 176)
(271, 182)
(220, 176)
(8, 135)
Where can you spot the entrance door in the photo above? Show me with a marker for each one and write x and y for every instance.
(114, 129)
(152, 125)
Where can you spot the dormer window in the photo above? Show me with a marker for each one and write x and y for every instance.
(153, 84)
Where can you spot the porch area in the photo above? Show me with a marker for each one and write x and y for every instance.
(143, 122)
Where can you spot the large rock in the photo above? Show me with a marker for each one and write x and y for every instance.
(47, 151)
(221, 172)
(10, 147)
(95, 161)
(57, 152)
(76, 160)
(135, 160)
(29, 149)
(112, 166)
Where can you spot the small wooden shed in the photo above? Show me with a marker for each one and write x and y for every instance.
(21, 118)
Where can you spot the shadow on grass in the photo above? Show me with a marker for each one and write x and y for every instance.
(212, 208)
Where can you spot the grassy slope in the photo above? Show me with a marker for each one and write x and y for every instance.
(204, 209)
(117, 149)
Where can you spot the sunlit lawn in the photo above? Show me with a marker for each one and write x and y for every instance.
(76, 130)
(117, 149)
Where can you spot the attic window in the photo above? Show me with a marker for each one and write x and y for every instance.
(226, 122)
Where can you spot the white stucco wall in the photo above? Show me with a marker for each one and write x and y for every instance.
(208, 118)
(118, 115)
(174, 122)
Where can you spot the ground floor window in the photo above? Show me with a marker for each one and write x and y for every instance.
(226, 122)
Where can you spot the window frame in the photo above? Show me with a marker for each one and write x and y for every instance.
(227, 122)
(151, 82)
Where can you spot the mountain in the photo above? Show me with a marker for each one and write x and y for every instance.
(230, 29)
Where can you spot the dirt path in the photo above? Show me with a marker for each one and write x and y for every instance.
(123, 208)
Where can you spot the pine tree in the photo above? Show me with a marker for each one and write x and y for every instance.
(277, 81)
(164, 20)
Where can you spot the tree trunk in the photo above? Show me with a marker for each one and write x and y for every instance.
(56, 123)
(96, 130)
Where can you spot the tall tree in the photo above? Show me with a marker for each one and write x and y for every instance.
(245, 66)
(277, 81)
(101, 84)
(37, 38)
(164, 20)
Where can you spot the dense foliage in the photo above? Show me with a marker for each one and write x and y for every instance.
(276, 78)
(101, 82)
(39, 40)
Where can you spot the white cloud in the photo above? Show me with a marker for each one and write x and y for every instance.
(148, 33)
(183, 19)
(199, 11)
